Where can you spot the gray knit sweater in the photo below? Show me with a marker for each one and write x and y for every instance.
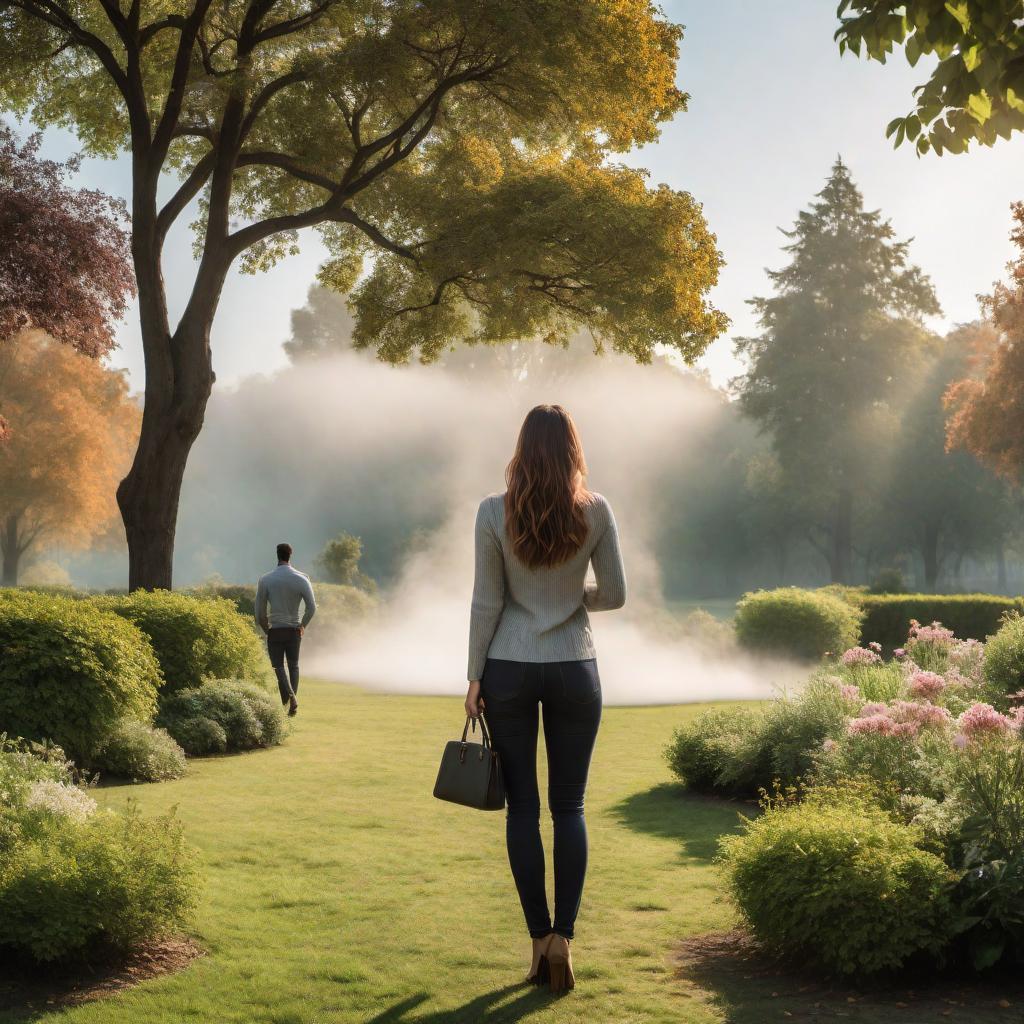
(524, 614)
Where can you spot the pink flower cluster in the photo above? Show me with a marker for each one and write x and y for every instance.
(926, 684)
(900, 718)
(860, 656)
(983, 720)
(936, 633)
(849, 691)
(967, 658)
(881, 725)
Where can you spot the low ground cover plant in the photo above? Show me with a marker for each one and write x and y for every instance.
(77, 882)
(223, 716)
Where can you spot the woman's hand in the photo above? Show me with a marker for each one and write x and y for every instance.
(474, 702)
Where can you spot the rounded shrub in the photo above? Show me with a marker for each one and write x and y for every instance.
(199, 737)
(841, 887)
(796, 623)
(141, 753)
(70, 672)
(705, 749)
(1004, 657)
(72, 889)
(247, 716)
(194, 638)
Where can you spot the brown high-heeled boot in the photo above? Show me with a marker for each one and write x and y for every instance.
(538, 974)
(560, 964)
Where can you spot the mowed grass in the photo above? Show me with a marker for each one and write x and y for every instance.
(338, 890)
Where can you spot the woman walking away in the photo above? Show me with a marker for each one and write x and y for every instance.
(530, 648)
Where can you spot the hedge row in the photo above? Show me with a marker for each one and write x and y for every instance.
(807, 624)
(887, 617)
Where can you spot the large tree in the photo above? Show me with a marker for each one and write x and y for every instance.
(986, 407)
(66, 266)
(462, 148)
(824, 376)
(975, 92)
(74, 428)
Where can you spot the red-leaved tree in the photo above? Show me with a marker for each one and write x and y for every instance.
(66, 266)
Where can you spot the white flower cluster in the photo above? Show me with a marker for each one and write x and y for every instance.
(56, 798)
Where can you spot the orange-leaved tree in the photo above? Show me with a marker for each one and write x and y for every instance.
(986, 410)
(73, 430)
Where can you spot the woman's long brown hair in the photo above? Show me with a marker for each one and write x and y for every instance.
(546, 497)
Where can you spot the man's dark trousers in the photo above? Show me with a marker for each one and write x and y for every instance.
(283, 644)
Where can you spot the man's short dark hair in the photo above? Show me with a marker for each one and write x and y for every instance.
(284, 552)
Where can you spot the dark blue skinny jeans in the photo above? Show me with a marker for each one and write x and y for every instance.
(569, 692)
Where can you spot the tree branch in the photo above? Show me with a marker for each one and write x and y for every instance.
(179, 81)
(188, 190)
(265, 95)
(296, 24)
(268, 158)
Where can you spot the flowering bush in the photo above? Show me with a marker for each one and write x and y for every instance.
(860, 656)
(59, 799)
(908, 834)
(926, 684)
(983, 719)
(76, 881)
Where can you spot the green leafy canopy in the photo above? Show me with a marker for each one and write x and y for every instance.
(457, 157)
(975, 92)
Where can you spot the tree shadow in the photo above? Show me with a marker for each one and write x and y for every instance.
(670, 811)
(746, 986)
(489, 1008)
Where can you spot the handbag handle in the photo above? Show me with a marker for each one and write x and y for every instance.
(483, 730)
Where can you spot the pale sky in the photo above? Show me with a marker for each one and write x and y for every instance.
(772, 104)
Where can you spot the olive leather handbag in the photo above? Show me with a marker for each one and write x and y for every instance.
(470, 773)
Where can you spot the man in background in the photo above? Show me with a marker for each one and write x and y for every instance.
(284, 588)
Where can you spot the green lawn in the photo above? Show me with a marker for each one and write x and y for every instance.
(339, 890)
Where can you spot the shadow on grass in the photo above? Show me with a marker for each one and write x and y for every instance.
(748, 987)
(489, 1008)
(28, 992)
(671, 812)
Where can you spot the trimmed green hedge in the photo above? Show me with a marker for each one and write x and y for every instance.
(71, 672)
(194, 638)
(970, 616)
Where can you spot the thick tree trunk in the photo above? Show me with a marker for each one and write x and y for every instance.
(11, 552)
(179, 380)
(148, 496)
(930, 556)
(842, 537)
